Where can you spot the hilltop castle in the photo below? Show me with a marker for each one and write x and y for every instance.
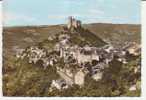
(73, 24)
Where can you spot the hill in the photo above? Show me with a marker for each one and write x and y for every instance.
(116, 33)
(30, 79)
(28, 35)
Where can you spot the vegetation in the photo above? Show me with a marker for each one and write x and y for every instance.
(29, 80)
(84, 37)
(115, 82)
(23, 79)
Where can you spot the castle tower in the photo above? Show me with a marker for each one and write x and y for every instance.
(73, 23)
(79, 24)
(70, 22)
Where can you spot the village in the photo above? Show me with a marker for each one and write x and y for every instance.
(77, 61)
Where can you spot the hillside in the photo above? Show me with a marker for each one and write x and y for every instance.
(116, 33)
(49, 49)
(113, 33)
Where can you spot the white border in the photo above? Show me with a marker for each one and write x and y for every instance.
(0, 48)
(143, 96)
(143, 49)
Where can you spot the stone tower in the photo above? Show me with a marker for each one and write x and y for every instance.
(70, 22)
(79, 24)
(73, 23)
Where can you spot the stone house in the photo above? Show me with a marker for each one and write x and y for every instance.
(59, 84)
(97, 76)
(79, 78)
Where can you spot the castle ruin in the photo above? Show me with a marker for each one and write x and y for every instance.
(73, 24)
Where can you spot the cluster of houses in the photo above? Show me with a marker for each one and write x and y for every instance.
(88, 59)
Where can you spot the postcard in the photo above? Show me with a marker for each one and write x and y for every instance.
(71, 48)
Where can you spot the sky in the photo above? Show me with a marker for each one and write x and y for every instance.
(52, 12)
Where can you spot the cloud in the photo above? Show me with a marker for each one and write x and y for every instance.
(63, 16)
(90, 13)
(94, 12)
(56, 16)
(74, 2)
(109, 19)
(10, 17)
